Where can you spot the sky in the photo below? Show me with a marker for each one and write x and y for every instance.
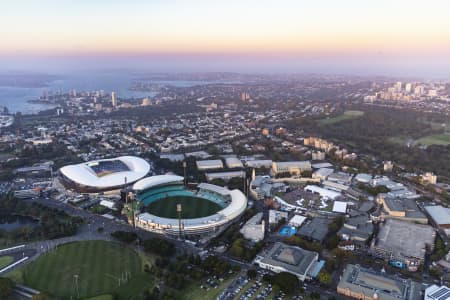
(407, 37)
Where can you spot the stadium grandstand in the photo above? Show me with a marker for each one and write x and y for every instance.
(103, 175)
(204, 210)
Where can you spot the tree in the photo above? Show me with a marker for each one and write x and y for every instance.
(124, 236)
(251, 273)
(324, 278)
(41, 296)
(6, 287)
(287, 282)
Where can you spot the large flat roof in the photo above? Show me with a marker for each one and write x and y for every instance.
(293, 259)
(368, 282)
(405, 238)
(83, 174)
(439, 214)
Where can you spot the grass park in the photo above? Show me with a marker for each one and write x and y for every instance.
(99, 266)
(5, 261)
(89, 269)
(346, 115)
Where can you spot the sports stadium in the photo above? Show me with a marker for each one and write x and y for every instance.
(204, 210)
(103, 175)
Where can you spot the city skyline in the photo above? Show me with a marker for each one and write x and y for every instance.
(404, 37)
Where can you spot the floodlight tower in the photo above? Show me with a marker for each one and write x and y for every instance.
(184, 167)
(179, 211)
(125, 188)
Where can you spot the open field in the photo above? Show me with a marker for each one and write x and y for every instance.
(347, 115)
(99, 265)
(5, 261)
(436, 139)
(193, 207)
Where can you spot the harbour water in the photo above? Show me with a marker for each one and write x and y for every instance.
(16, 98)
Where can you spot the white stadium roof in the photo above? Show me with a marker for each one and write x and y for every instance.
(153, 181)
(83, 174)
(235, 208)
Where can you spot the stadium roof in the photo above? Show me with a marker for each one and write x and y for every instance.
(153, 181)
(236, 207)
(84, 174)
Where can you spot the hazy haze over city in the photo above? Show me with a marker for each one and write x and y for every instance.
(407, 38)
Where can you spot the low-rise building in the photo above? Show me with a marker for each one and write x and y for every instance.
(401, 208)
(403, 242)
(233, 163)
(315, 230)
(365, 284)
(284, 258)
(440, 217)
(204, 165)
(435, 292)
(292, 167)
(224, 175)
(358, 228)
(254, 228)
(276, 216)
(429, 178)
(322, 173)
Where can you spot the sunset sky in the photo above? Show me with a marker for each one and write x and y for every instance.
(401, 35)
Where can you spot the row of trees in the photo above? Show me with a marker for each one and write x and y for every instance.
(53, 223)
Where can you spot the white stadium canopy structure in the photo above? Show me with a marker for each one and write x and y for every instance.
(104, 174)
(154, 181)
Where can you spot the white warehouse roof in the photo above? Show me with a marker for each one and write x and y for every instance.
(322, 192)
(209, 164)
(340, 207)
(233, 162)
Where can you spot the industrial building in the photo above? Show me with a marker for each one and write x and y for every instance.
(365, 284)
(292, 167)
(233, 163)
(404, 244)
(284, 258)
(440, 217)
(322, 173)
(224, 175)
(214, 164)
(401, 208)
(256, 164)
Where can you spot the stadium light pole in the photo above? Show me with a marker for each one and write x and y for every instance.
(179, 210)
(125, 188)
(184, 167)
(76, 285)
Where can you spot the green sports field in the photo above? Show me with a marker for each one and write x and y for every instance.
(193, 207)
(100, 265)
(436, 139)
(346, 115)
